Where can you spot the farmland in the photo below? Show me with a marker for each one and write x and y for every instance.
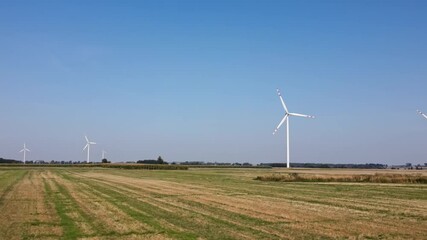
(101, 203)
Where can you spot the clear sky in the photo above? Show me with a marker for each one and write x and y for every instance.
(196, 80)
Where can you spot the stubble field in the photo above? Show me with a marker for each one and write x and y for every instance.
(64, 203)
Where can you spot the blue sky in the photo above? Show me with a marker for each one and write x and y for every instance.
(196, 80)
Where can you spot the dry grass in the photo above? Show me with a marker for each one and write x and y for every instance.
(25, 213)
(363, 178)
(204, 204)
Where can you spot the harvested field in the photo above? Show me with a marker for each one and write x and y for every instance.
(99, 203)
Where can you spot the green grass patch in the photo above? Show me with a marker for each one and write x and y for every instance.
(71, 230)
(8, 181)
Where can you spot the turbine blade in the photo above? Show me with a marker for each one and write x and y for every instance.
(422, 114)
(28, 150)
(92, 142)
(280, 124)
(22, 150)
(300, 115)
(87, 140)
(281, 99)
(85, 146)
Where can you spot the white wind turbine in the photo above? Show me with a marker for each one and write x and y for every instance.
(88, 143)
(25, 150)
(422, 114)
(286, 118)
(103, 154)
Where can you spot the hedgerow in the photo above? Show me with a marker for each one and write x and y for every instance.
(121, 166)
(364, 178)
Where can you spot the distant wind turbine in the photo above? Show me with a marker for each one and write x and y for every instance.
(103, 154)
(88, 143)
(25, 150)
(422, 114)
(286, 118)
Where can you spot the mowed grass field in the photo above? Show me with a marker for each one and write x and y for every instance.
(77, 203)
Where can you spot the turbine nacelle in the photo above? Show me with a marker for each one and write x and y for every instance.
(88, 143)
(25, 149)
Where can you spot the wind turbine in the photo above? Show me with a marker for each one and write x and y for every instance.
(103, 154)
(422, 114)
(286, 119)
(88, 143)
(25, 150)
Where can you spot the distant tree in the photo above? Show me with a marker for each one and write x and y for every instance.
(2, 160)
(105, 161)
(160, 160)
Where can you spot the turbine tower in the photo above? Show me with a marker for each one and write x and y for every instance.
(88, 143)
(103, 154)
(25, 150)
(422, 114)
(286, 119)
